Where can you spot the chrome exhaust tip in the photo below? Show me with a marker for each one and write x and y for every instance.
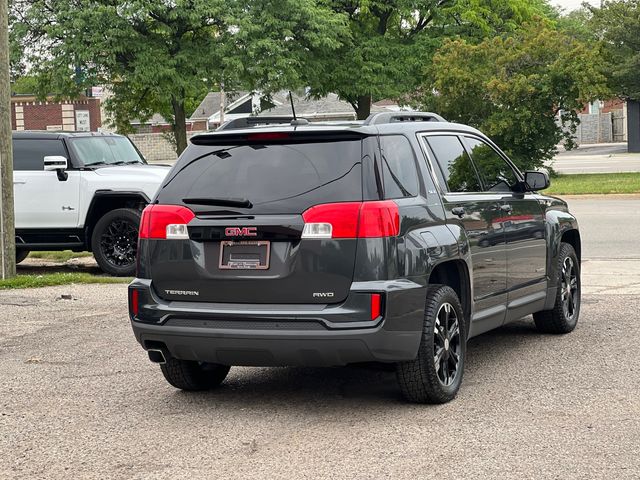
(157, 356)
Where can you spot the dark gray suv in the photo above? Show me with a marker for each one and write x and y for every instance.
(394, 240)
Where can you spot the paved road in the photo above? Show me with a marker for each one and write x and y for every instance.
(609, 224)
(80, 400)
(602, 158)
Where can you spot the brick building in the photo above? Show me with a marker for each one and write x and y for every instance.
(29, 113)
(604, 106)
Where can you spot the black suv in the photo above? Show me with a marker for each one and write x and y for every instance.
(394, 240)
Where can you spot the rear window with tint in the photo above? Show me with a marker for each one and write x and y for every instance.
(275, 178)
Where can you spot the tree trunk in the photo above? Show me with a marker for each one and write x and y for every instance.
(180, 123)
(7, 228)
(363, 109)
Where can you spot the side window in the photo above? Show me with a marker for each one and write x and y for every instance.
(455, 164)
(28, 154)
(497, 175)
(399, 173)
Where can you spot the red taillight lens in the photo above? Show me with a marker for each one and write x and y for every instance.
(156, 218)
(376, 305)
(379, 219)
(342, 219)
(352, 220)
(135, 307)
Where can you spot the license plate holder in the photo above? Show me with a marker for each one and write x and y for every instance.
(245, 255)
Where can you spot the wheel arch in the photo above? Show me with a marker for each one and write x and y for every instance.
(561, 227)
(455, 274)
(104, 201)
(572, 237)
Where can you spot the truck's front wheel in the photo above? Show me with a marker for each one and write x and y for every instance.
(21, 255)
(115, 241)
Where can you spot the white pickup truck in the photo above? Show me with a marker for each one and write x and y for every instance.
(81, 191)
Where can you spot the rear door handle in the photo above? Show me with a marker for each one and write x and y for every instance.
(506, 208)
(19, 182)
(459, 211)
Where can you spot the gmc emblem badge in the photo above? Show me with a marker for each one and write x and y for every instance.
(241, 231)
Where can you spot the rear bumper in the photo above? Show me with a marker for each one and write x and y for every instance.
(269, 335)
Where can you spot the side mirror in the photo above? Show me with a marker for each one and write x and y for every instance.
(58, 164)
(536, 180)
(55, 162)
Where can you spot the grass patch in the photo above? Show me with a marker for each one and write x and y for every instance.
(595, 183)
(58, 278)
(62, 256)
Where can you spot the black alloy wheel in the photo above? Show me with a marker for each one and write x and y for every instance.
(447, 347)
(115, 241)
(563, 317)
(118, 242)
(569, 288)
(435, 375)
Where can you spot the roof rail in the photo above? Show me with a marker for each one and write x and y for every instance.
(392, 117)
(248, 122)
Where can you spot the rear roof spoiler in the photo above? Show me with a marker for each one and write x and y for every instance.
(259, 137)
(248, 122)
(392, 117)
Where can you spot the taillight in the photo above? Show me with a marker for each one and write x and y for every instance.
(165, 222)
(376, 305)
(352, 220)
(135, 307)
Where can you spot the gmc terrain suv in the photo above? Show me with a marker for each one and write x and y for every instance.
(394, 240)
(81, 191)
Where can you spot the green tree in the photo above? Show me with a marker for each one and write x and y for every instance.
(24, 84)
(618, 24)
(577, 24)
(159, 56)
(513, 87)
(390, 42)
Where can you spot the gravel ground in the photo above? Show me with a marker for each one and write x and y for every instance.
(80, 400)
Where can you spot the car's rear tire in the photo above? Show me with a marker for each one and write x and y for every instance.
(563, 317)
(115, 241)
(435, 375)
(193, 376)
(21, 255)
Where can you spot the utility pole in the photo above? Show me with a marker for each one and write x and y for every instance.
(7, 227)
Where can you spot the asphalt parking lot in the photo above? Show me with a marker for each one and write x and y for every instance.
(80, 399)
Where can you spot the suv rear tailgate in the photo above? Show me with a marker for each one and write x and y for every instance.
(245, 240)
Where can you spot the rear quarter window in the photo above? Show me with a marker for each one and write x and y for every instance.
(400, 176)
(28, 154)
(276, 178)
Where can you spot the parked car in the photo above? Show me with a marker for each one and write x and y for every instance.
(81, 191)
(338, 244)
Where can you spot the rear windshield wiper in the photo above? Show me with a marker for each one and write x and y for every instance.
(221, 202)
